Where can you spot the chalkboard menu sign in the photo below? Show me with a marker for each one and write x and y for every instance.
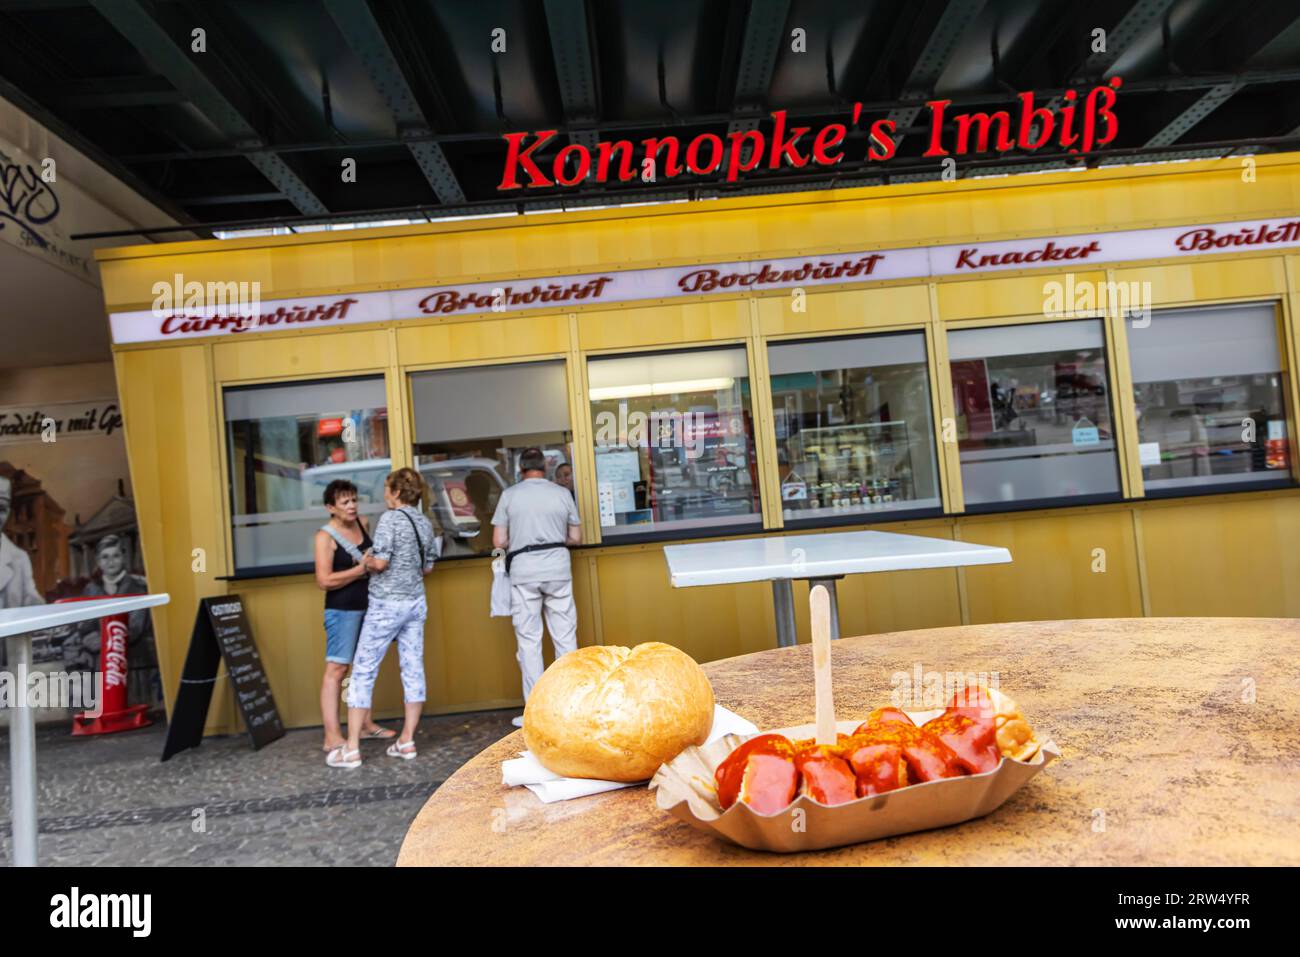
(221, 632)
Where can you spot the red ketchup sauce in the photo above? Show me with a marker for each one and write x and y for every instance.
(886, 752)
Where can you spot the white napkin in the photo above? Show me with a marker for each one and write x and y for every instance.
(527, 771)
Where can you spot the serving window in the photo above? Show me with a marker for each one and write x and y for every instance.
(471, 426)
(853, 425)
(1210, 398)
(1033, 412)
(674, 441)
(285, 444)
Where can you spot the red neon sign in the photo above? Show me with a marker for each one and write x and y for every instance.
(1076, 126)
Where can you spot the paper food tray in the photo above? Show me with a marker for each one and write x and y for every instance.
(684, 787)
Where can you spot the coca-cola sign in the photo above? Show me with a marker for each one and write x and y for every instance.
(114, 652)
(514, 296)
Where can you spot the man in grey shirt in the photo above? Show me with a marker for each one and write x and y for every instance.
(539, 516)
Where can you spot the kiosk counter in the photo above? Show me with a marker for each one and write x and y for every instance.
(1093, 369)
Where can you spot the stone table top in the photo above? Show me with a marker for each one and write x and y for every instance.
(1180, 742)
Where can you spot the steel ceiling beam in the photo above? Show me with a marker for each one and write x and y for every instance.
(366, 38)
(138, 26)
(566, 23)
(957, 16)
(764, 30)
(849, 174)
(227, 199)
(111, 164)
(1206, 103)
(1137, 87)
(117, 93)
(1141, 17)
(38, 6)
(1164, 156)
(1217, 95)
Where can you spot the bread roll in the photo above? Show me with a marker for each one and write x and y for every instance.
(616, 714)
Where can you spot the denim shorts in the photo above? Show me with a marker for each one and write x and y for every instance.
(342, 628)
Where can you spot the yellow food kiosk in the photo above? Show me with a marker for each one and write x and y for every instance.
(1094, 369)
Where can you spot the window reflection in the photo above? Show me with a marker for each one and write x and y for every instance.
(285, 444)
(674, 441)
(1209, 393)
(1033, 412)
(471, 426)
(853, 425)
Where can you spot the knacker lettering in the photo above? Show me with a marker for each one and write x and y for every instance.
(1049, 253)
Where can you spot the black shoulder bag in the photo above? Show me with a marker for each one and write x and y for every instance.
(419, 542)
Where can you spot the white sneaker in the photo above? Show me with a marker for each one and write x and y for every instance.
(517, 721)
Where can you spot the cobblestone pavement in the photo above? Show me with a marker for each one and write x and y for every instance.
(109, 800)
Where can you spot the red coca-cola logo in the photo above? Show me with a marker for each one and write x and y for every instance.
(114, 663)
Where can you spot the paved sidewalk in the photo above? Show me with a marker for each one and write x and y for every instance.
(109, 801)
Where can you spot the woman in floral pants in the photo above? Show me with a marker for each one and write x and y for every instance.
(403, 553)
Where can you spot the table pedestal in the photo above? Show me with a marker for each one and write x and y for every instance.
(22, 756)
(783, 603)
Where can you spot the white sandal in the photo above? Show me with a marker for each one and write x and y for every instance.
(340, 757)
(404, 751)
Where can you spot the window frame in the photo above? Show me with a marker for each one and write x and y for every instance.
(1286, 478)
(935, 327)
(1114, 402)
(307, 567)
(408, 372)
(654, 533)
(865, 517)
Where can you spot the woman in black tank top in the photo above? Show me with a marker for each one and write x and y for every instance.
(345, 582)
(354, 595)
